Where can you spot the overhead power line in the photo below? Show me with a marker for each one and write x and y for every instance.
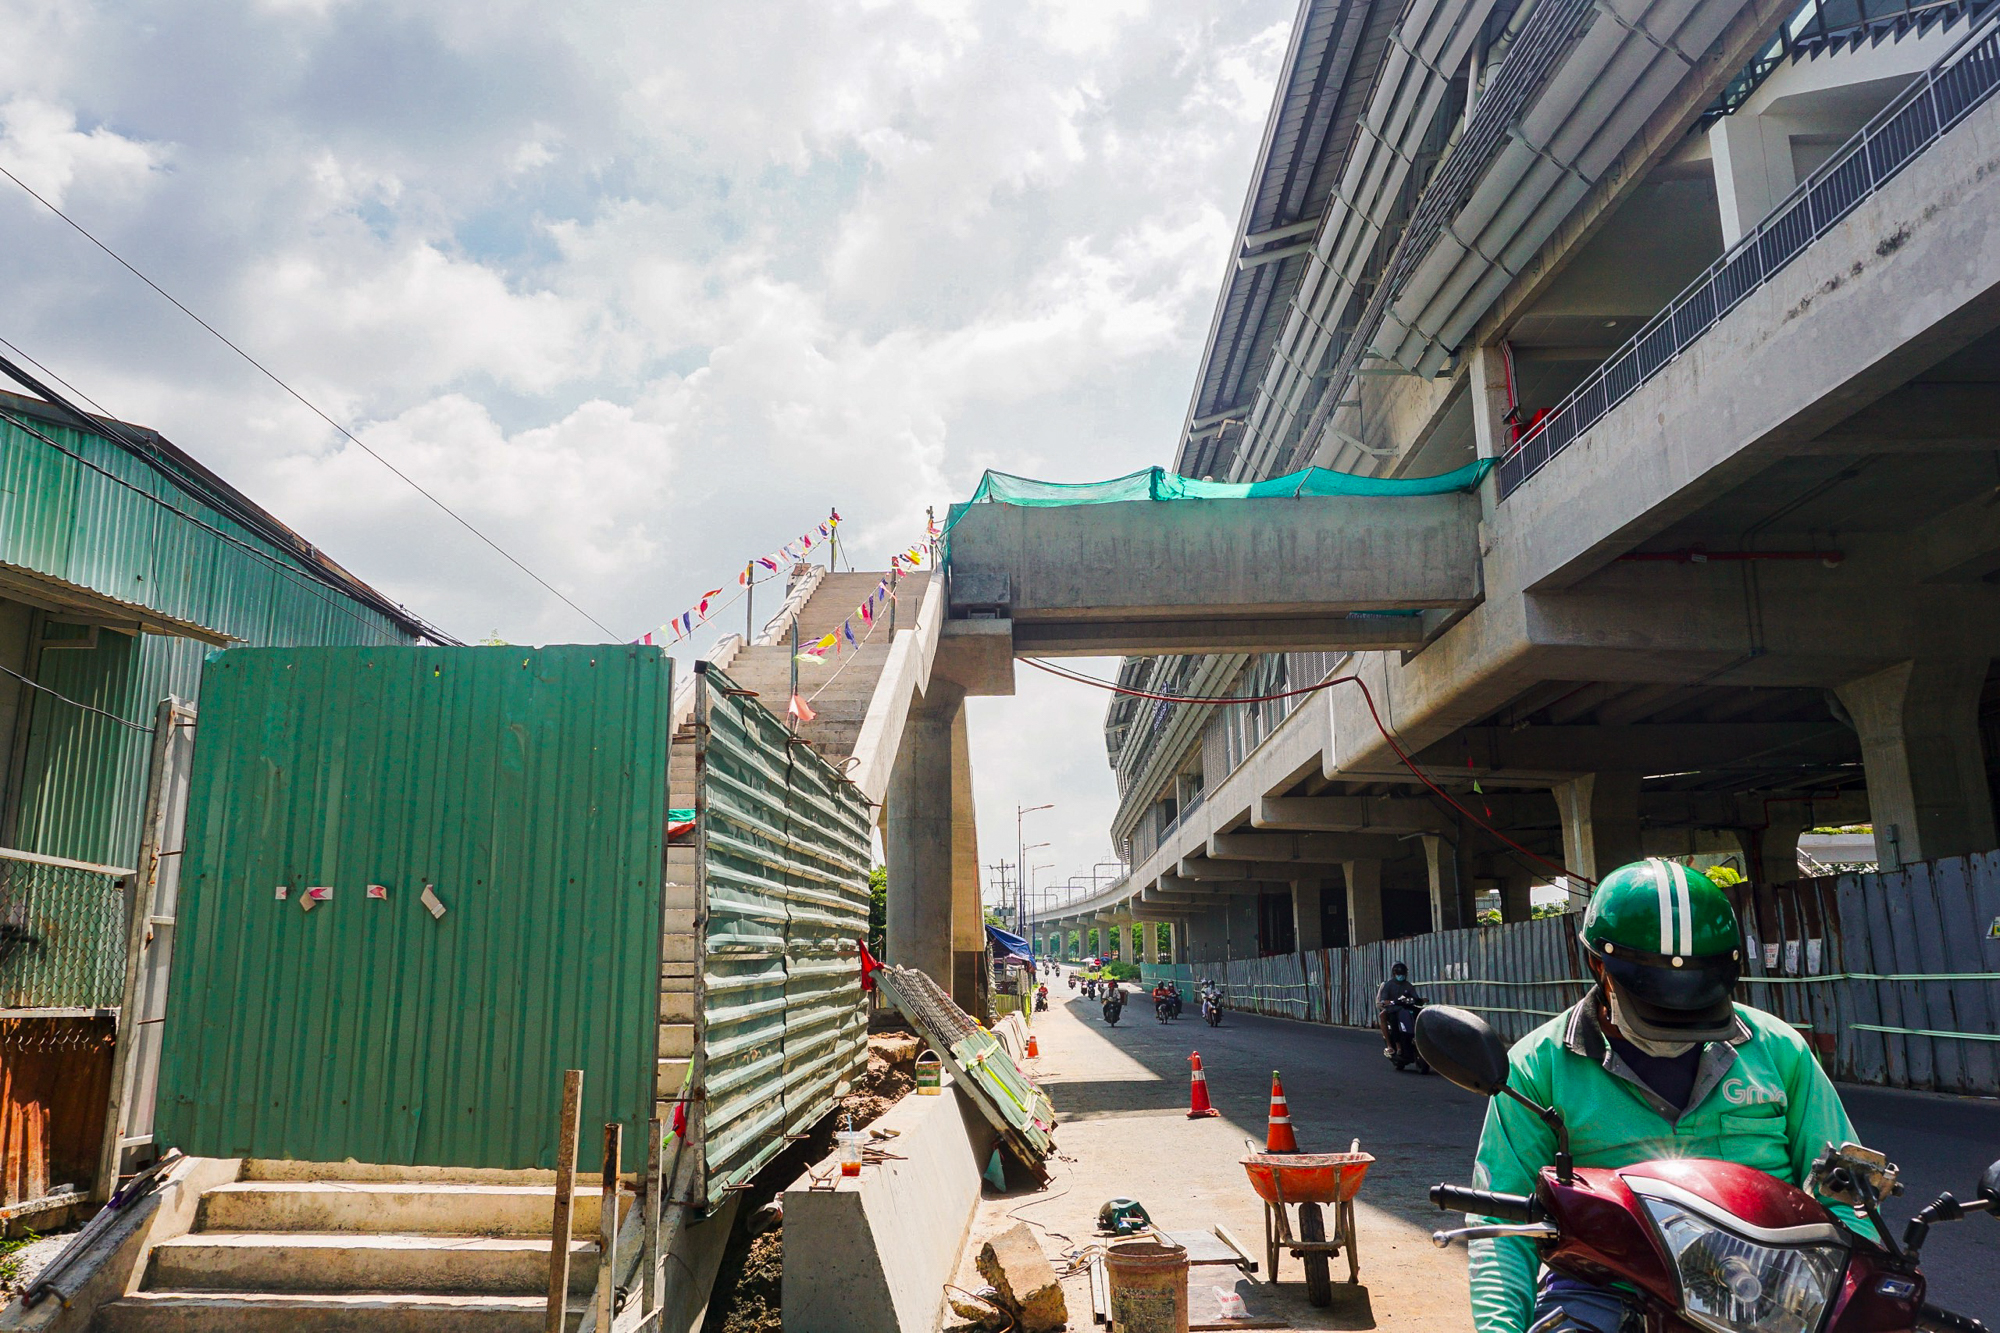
(309, 405)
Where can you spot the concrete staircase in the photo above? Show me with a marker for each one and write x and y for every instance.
(287, 1249)
(839, 710)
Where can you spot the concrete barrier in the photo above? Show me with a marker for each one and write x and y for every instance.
(875, 1252)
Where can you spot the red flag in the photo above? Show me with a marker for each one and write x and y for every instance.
(869, 967)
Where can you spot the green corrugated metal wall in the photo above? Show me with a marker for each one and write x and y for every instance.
(83, 779)
(530, 786)
(785, 850)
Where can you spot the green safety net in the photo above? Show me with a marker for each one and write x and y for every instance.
(1156, 483)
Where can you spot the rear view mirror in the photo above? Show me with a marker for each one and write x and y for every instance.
(1461, 1045)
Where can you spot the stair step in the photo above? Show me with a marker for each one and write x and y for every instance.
(375, 1262)
(413, 1208)
(194, 1312)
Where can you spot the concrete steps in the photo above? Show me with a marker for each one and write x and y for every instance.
(394, 1250)
(266, 1312)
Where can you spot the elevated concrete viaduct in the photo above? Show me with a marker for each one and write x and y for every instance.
(1754, 595)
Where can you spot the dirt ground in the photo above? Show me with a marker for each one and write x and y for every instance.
(748, 1289)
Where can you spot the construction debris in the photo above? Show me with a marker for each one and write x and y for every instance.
(979, 1064)
(979, 1309)
(1024, 1282)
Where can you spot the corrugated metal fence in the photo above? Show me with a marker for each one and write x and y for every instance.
(784, 852)
(1895, 977)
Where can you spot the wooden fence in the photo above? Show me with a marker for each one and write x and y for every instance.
(1894, 977)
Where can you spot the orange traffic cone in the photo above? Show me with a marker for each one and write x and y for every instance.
(1279, 1137)
(1034, 1051)
(1198, 1091)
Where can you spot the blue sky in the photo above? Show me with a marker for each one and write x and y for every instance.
(642, 290)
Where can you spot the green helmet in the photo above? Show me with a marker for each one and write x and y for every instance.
(1668, 938)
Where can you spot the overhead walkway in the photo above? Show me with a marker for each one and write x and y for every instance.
(1154, 563)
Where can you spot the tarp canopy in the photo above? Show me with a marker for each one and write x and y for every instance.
(1007, 945)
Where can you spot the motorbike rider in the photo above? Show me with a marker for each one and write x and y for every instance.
(1654, 1062)
(1397, 987)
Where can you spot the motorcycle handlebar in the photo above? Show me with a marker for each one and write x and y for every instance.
(1486, 1203)
(1933, 1320)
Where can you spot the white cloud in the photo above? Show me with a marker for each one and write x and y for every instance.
(41, 144)
(641, 290)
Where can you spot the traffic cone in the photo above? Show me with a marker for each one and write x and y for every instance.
(1198, 1091)
(1279, 1137)
(1034, 1051)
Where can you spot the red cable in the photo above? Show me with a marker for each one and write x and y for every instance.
(1367, 696)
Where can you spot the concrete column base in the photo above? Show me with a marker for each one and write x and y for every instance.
(1919, 728)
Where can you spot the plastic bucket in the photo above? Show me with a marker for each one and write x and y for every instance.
(1149, 1286)
(930, 1074)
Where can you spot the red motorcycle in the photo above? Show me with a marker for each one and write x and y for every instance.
(1711, 1246)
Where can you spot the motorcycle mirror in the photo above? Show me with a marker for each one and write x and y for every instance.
(1461, 1045)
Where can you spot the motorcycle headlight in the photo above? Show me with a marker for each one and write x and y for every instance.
(1735, 1285)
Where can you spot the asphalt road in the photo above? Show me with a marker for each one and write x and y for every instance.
(1118, 1089)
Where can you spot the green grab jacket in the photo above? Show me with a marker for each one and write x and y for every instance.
(1759, 1098)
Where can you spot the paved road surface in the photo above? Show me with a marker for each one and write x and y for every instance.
(1122, 1097)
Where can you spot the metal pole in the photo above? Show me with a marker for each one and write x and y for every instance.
(607, 1225)
(557, 1320)
(649, 1271)
(791, 717)
(749, 603)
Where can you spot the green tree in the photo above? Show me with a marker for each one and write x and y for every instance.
(878, 910)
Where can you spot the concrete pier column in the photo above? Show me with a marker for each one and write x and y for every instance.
(1181, 941)
(1364, 901)
(1600, 822)
(1752, 155)
(1516, 901)
(933, 909)
(1919, 728)
(1771, 854)
(1306, 915)
(1441, 863)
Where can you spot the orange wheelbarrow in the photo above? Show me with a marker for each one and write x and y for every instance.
(1307, 1181)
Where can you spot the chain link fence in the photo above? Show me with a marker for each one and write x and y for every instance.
(62, 933)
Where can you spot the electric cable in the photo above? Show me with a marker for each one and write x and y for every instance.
(77, 703)
(1367, 696)
(310, 406)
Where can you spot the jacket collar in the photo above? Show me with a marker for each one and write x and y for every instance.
(1584, 1037)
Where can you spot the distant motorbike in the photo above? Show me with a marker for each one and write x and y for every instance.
(1211, 1004)
(1114, 1004)
(1167, 1005)
(1041, 998)
(1072, 981)
(1400, 1020)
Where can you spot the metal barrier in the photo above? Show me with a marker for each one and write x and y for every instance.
(1916, 118)
(62, 934)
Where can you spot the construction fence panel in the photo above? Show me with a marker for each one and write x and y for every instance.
(1893, 977)
(420, 883)
(784, 852)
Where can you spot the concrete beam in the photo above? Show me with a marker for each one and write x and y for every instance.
(1211, 889)
(1271, 875)
(977, 656)
(1643, 748)
(1192, 560)
(1215, 633)
(1325, 849)
(1347, 814)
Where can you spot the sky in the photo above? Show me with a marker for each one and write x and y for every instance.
(643, 291)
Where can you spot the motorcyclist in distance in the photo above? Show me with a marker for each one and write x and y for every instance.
(1397, 987)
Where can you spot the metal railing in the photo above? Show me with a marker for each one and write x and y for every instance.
(1916, 118)
(62, 933)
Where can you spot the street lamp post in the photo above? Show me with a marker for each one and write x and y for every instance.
(1021, 812)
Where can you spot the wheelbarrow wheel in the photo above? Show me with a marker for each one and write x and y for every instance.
(1319, 1277)
(1351, 1242)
